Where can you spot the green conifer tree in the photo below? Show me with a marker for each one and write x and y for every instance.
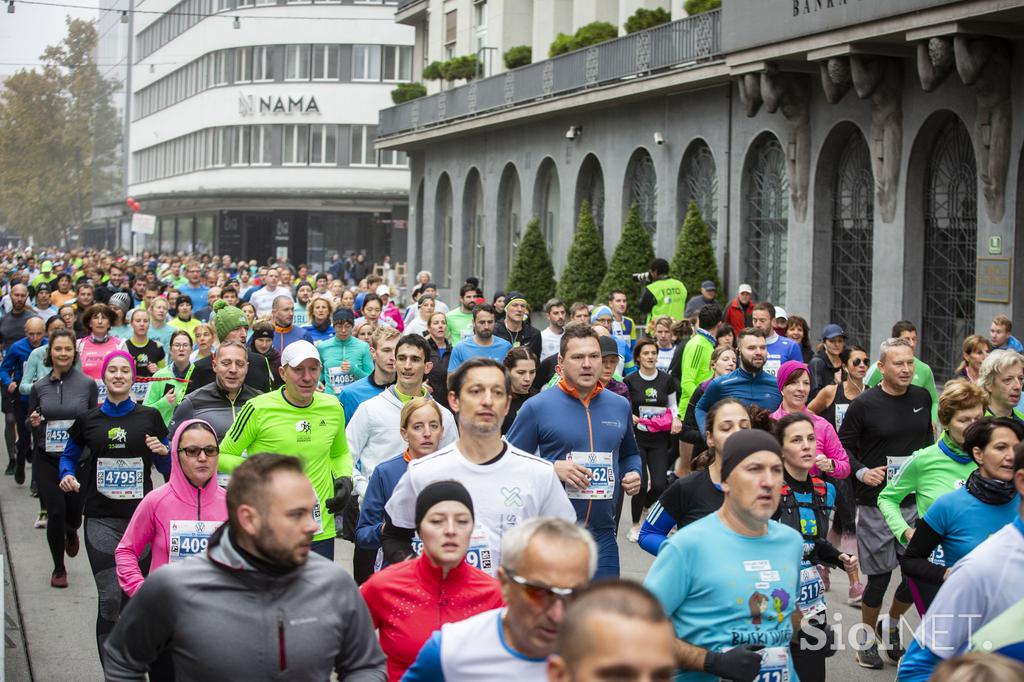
(694, 260)
(633, 254)
(532, 273)
(586, 265)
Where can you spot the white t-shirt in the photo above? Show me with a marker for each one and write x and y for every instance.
(263, 300)
(549, 343)
(507, 491)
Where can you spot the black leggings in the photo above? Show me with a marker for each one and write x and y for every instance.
(844, 520)
(10, 432)
(101, 538)
(654, 461)
(874, 592)
(63, 510)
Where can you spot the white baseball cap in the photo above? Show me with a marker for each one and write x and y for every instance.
(298, 351)
(781, 312)
(383, 290)
(745, 289)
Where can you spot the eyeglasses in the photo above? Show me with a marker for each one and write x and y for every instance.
(857, 362)
(542, 595)
(193, 451)
(181, 346)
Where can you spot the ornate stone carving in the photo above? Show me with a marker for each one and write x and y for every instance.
(790, 93)
(880, 80)
(750, 93)
(934, 62)
(835, 78)
(984, 63)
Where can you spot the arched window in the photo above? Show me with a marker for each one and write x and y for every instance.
(444, 230)
(473, 226)
(510, 223)
(642, 189)
(767, 220)
(590, 187)
(950, 248)
(853, 229)
(546, 203)
(698, 181)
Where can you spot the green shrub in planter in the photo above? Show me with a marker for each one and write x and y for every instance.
(517, 56)
(647, 18)
(405, 92)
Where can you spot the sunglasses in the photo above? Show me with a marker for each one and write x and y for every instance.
(193, 451)
(542, 595)
(857, 362)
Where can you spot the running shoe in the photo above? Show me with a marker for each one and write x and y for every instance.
(855, 594)
(9, 471)
(33, 491)
(634, 534)
(823, 572)
(71, 545)
(41, 521)
(59, 578)
(867, 657)
(19, 474)
(892, 648)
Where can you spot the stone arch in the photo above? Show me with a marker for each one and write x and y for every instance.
(547, 196)
(640, 186)
(590, 187)
(942, 239)
(765, 223)
(698, 180)
(473, 227)
(444, 231)
(510, 219)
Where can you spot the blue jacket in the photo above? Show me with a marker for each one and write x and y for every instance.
(761, 389)
(357, 393)
(556, 422)
(13, 366)
(284, 337)
(383, 480)
(314, 335)
(73, 451)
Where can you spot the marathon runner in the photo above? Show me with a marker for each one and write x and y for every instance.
(516, 327)
(382, 350)
(345, 358)
(1002, 377)
(218, 403)
(11, 372)
(748, 382)
(586, 432)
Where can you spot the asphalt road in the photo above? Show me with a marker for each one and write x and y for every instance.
(50, 632)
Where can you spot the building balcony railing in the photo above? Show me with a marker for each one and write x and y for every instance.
(676, 45)
(402, 4)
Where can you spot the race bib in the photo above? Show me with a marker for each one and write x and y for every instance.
(189, 538)
(119, 479)
(812, 592)
(841, 414)
(774, 665)
(138, 391)
(102, 387)
(223, 480)
(602, 476)
(339, 379)
(938, 556)
(467, 332)
(318, 517)
(479, 553)
(650, 411)
(771, 366)
(57, 434)
(893, 466)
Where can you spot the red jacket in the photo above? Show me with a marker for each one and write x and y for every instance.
(408, 601)
(737, 318)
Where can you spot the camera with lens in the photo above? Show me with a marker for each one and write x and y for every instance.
(642, 277)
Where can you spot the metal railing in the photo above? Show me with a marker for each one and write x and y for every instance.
(678, 44)
(402, 4)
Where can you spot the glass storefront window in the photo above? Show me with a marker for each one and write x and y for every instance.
(204, 234)
(166, 227)
(185, 224)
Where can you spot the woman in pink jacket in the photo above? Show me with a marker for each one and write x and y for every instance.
(795, 385)
(176, 519)
(94, 348)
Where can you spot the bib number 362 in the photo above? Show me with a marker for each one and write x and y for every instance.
(602, 476)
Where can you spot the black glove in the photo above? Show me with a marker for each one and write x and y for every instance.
(741, 664)
(342, 491)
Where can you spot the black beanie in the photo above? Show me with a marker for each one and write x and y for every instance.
(743, 444)
(441, 491)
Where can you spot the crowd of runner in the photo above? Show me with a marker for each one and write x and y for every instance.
(208, 429)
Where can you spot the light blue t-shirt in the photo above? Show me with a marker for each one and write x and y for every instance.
(722, 589)
(468, 348)
(964, 521)
(779, 351)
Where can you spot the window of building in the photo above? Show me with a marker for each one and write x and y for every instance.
(391, 158)
(296, 63)
(245, 3)
(296, 145)
(220, 68)
(451, 23)
(325, 62)
(323, 145)
(397, 62)
(243, 64)
(225, 5)
(216, 142)
(241, 151)
(480, 14)
(259, 154)
(362, 146)
(366, 62)
(263, 63)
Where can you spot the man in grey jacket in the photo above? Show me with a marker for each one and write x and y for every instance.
(256, 605)
(220, 402)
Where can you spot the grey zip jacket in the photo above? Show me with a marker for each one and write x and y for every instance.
(222, 619)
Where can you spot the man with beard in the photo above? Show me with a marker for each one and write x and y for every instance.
(269, 609)
(483, 343)
(748, 383)
(12, 330)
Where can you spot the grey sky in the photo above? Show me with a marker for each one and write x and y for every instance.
(26, 33)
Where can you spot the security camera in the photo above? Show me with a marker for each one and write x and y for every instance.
(659, 139)
(573, 132)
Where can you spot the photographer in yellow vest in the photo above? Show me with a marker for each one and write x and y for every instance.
(663, 295)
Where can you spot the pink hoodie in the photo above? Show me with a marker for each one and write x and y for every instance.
(93, 354)
(176, 501)
(828, 443)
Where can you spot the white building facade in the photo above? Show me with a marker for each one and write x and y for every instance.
(253, 124)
